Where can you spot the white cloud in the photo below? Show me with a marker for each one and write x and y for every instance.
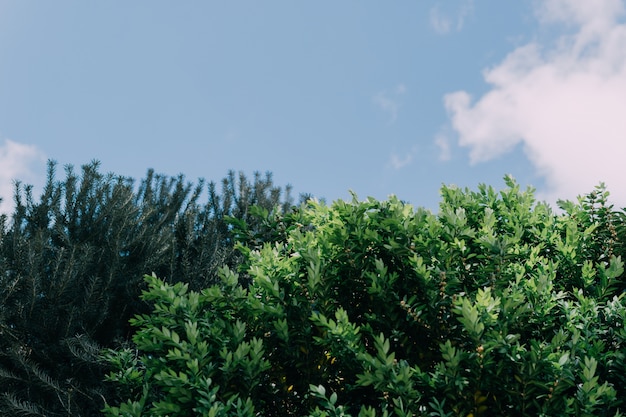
(565, 102)
(444, 22)
(389, 102)
(17, 162)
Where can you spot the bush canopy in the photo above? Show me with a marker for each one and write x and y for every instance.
(494, 306)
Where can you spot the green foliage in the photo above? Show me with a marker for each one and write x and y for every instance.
(495, 306)
(196, 357)
(71, 265)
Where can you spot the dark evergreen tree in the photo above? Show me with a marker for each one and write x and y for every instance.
(71, 268)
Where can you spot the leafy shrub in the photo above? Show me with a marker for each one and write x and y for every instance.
(495, 306)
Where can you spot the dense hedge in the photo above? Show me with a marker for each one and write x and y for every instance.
(494, 306)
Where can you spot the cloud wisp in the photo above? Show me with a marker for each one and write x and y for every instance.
(563, 100)
(400, 161)
(444, 22)
(17, 162)
(443, 144)
(389, 101)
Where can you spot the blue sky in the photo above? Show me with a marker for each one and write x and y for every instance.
(376, 97)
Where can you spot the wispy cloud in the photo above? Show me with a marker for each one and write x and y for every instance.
(440, 23)
(445, 19)
(389, 101)
(563, 100)
(17, 162)
(400, 160)
(443, 143)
